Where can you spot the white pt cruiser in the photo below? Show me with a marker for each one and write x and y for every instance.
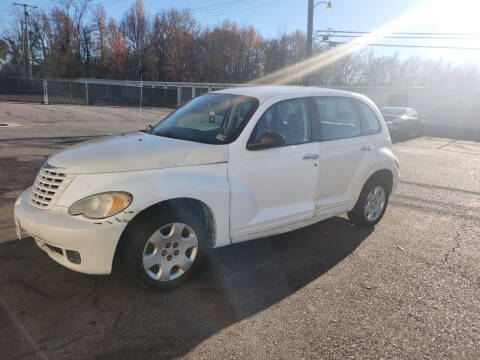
(229, 166)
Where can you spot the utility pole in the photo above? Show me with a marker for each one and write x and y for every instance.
(23, 48)
(311, 6)
(309, 28)
(29, 55)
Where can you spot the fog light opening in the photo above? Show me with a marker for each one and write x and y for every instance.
(74, 257)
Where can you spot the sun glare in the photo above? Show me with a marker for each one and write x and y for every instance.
(460, 16)
(442, 15)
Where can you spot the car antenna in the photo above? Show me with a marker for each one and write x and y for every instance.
(141, 95)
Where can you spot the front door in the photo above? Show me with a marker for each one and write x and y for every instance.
(276, 186)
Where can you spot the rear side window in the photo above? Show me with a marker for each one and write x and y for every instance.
(289, 118)
(370, 124)
(338, 118)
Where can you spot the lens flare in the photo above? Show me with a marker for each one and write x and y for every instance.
(293, 72)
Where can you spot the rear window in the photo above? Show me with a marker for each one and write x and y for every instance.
(338, 118)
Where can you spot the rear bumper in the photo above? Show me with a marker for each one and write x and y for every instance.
(56, 232)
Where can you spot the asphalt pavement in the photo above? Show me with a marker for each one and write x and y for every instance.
(408, 289)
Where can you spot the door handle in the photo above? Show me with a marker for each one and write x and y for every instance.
(310, 157)
(367, 148)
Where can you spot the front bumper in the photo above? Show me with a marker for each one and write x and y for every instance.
(56, 232)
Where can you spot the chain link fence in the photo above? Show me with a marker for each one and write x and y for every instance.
(84, 93)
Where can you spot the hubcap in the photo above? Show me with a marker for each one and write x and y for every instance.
(374, 204)
(170, 251)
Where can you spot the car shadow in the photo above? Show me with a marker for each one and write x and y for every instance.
(399, 137)
(109, 317)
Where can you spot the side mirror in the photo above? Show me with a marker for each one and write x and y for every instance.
(267, 140)
(150, 129)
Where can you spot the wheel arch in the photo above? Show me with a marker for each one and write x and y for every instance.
(174, 204)
(385, 175)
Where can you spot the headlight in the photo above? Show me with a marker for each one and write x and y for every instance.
(102, 205)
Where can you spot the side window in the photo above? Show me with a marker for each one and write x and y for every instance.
(370, 124)
(289, 118)
(338, 118)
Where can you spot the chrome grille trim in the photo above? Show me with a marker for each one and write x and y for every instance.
(48, 186)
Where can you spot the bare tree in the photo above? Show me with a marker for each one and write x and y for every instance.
(135, 28)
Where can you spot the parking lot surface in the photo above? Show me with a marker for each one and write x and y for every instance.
(407, 289)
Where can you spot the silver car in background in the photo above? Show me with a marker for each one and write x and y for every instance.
(403, 121)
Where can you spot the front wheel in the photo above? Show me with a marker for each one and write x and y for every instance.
(371, 204)
(163, 249)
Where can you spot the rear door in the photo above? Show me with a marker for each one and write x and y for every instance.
(346, 138)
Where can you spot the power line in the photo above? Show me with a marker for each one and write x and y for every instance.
(245, 9)
(402, 33)
(410, 46)
(217, 5)
(98, 2)
(405, 37)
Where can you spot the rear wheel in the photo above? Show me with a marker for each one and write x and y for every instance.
(371, 204)
(163, 249)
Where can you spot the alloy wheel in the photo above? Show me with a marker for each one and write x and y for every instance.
(375, 203)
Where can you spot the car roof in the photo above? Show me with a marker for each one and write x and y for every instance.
(265, 92)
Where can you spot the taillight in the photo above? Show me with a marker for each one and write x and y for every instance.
(397, 162)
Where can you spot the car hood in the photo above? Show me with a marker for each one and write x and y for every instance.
(135, 151)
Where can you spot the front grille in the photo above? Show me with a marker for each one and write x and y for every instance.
(47, 187)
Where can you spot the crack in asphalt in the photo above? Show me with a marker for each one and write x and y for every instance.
(456, 238)
(437, 187)
(41, 350)
(445, 145)
(434, 210)
(94, 295)
(439, 203)
(40, 292)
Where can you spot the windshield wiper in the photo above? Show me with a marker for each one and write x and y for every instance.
(167, 134)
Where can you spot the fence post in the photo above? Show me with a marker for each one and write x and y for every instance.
(45, 91)
(209, 89)
(86, 91)
(179, 95)
(193, 92)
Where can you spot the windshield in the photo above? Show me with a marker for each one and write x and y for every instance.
(398, 111)
(210, 119)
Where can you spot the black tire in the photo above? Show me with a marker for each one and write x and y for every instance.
(138, 234)
(357, 215)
